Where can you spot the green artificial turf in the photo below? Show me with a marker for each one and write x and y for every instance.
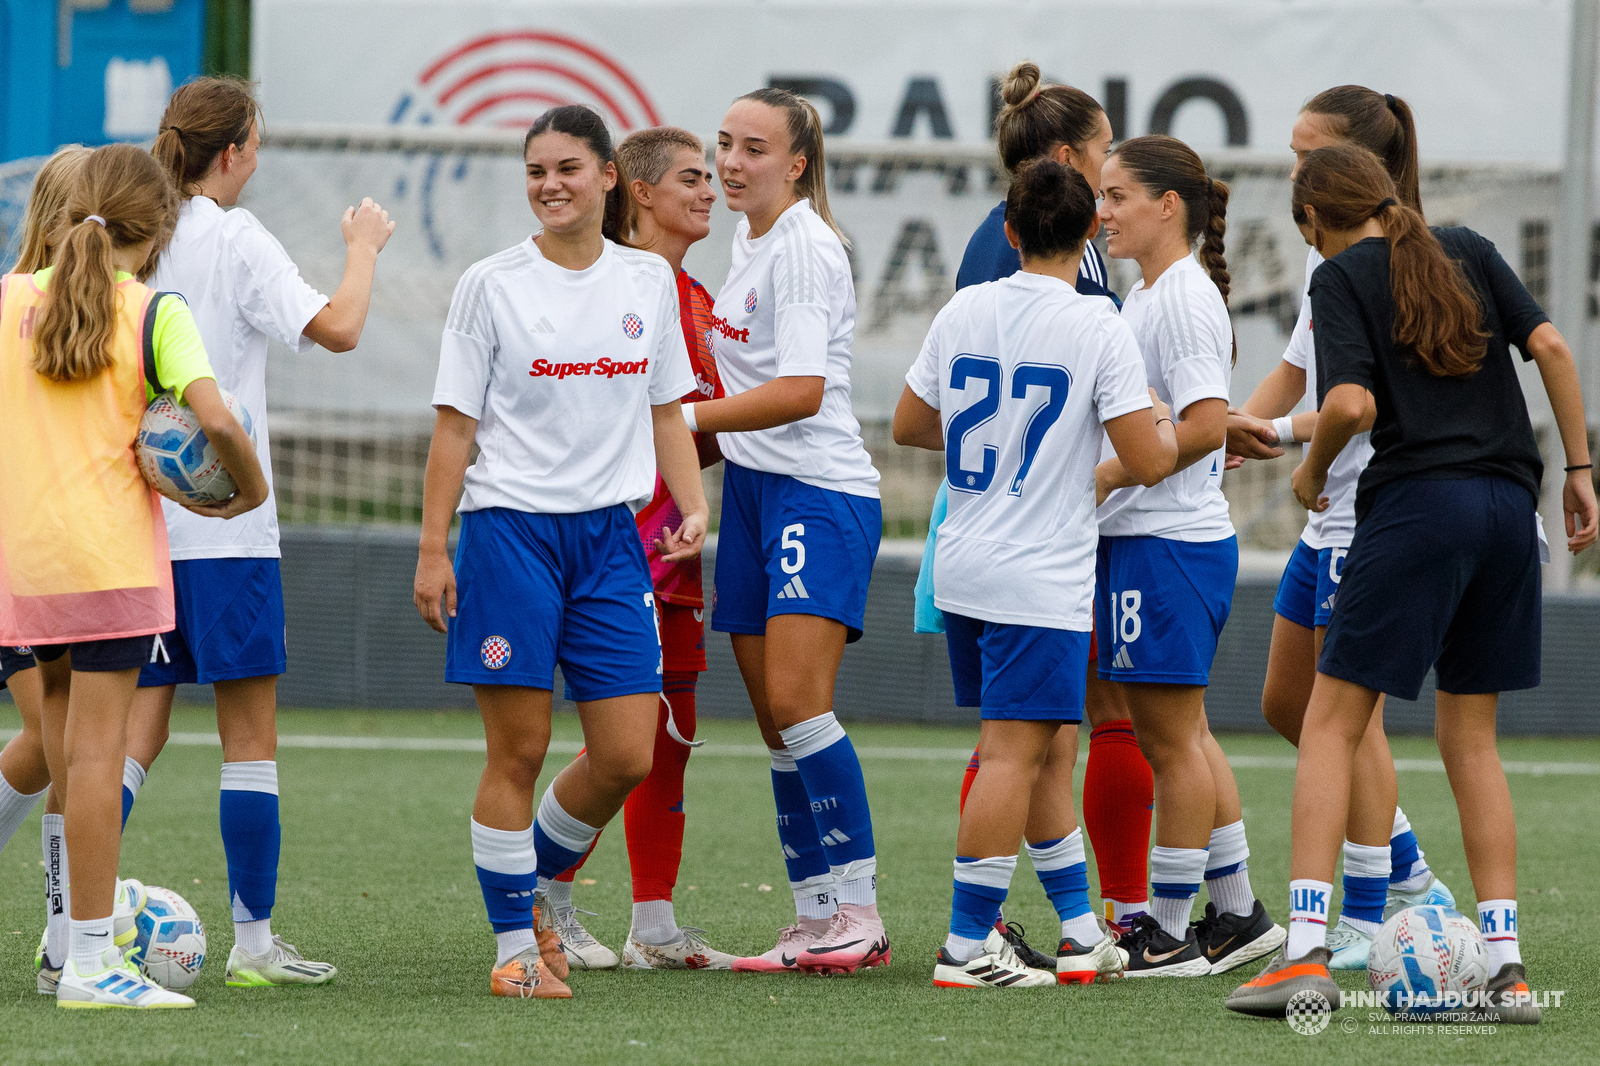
(377, 877)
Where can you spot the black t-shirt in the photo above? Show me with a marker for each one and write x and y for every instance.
(1428, 427)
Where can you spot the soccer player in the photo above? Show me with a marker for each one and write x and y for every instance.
(1385, 869)
(563, 358)
(664, 170)
(83, 348)
(1014, 383)
(1168, 559)
(245, 292)
(1418, 324)
(1066, 124)
(800, 517)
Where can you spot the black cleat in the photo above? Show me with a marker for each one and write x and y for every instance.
(1034, 960)
(1228, 940)
(1153, 952)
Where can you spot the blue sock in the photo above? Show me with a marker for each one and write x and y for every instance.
(505, 862)
(559, 839)
(132, 781)
(1366, 885)
(980, 888)
(810, 877)
(1064, 873)
(837, 793)
(251, 836)
(1405, 854)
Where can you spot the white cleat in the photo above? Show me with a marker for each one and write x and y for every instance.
(997, 967)
(1433, 894)
(1078, 965)
(120, 986)
(688, 952)
(1350, 947)
(582, 950)
(280, 965)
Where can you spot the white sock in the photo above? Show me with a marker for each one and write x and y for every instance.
(14, 808)
(133, 775)
(1175, 874)
(1308, 916)
(511, 943)
(961, 948)
(1083, 929)
(1120, 912)
(58, 896)
(1227, 872)
(654, 922)
(90, 943)
(858, 882)
(255, 936)
(1497, 920)
(559, 893)
(816, 897)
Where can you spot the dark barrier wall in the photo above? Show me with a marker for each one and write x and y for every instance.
(355, 640)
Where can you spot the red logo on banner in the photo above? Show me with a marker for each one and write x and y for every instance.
(509, 79)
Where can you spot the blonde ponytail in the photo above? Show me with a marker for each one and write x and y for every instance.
(805, 138)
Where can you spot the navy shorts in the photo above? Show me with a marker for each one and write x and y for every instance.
(102, 656)
(1442, 574)
(230, 624)
(1017, 672)
(1159, 606)
(786, 547)
(1310, 584)
(14, 660)
(534, 590)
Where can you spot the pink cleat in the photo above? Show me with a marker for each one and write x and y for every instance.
(785, 958)
(855, 940)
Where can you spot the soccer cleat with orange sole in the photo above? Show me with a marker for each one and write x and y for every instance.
(1078, 965)
(527, 977)
(549, 940)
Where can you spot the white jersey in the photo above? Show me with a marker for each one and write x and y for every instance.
(1335, 527)
(1184, 334)
(244, 291)
(1024, 371)
(560, 368)
(788, 309)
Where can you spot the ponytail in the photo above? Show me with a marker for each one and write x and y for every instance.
(122, 197)
(1381, 123)
(41, 226)
(203, 118)
(805, 139)
(1211, 247)
(1437, 315)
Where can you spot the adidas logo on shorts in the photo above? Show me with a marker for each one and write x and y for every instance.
(794, 590)
(1123, 661)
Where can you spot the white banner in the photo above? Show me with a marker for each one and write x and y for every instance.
(1486, 78)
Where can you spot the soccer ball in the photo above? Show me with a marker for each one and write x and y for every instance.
(1425, 958)
(176, 458)
(171, 942)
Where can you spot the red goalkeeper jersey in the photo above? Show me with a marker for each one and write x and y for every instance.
(679, 582)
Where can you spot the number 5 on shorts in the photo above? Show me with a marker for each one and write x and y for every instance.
(791, 541)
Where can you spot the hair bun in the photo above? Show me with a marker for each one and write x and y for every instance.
(1020, 83)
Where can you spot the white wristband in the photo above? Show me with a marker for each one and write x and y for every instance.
(1284, 428)
(688, 417)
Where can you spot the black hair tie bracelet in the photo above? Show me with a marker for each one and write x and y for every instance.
(1580, 466)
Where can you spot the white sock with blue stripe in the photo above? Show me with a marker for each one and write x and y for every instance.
(1227, 872)
(1497, 919)
(1175, 875)
(1308, 916)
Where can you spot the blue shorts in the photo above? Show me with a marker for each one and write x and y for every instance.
(786, 547)
(1442, 574)
(534, 590)
(1310, 584)
(1159, 606)
(1017, 672)
(230, 624)
(14, 660)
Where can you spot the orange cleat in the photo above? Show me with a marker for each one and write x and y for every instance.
(527, 977)
(549, 942)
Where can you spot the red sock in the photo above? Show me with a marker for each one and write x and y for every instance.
(653, 815)
(568, 875)
(969, 777)
(1118, 791)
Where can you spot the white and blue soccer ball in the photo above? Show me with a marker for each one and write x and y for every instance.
(171, 943)
(176, 458)
(1427, 959)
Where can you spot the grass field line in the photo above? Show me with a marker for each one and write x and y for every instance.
(756, 751)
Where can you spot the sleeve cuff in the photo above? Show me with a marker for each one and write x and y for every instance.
(1126, 408)
(304, 344)
(683, 387)
(1181, 401)
(472, 407)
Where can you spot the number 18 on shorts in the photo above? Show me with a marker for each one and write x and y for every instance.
(1159, 606)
